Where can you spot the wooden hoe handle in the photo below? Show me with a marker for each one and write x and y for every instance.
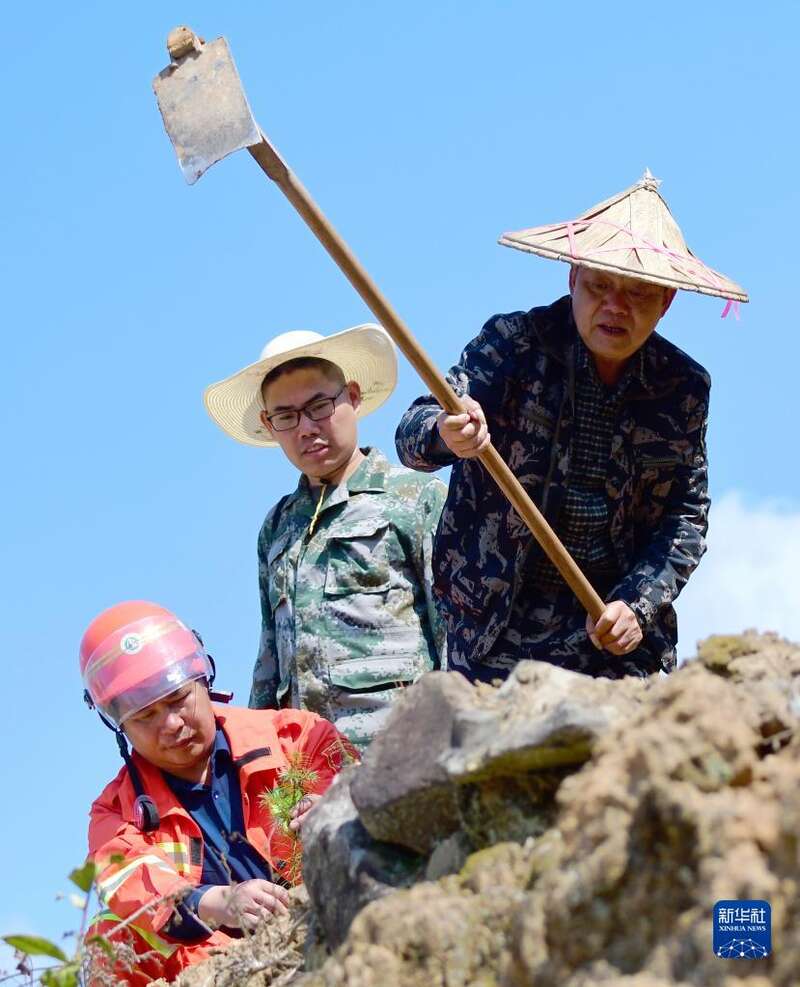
(274, 166)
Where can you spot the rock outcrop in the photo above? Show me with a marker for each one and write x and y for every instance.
(561, 831)
(452, 754)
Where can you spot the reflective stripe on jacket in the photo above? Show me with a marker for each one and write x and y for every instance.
(136, 868)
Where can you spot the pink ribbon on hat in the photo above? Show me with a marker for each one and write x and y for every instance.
(685, 264)
(732, 305)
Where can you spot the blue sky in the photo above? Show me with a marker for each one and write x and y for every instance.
(424, 130)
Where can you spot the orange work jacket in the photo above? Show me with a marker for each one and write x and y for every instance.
(136, 869)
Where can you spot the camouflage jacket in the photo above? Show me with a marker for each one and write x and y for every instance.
(348, 613)
(521, 369)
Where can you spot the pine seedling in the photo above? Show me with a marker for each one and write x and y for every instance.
(295, 781)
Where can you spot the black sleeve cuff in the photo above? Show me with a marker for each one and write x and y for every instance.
(185, 924)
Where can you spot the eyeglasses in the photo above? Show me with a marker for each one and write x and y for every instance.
(317, 410)
(636, 294)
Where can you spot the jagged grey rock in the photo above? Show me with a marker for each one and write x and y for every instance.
(403, 760)
(448, 857)
(542, 717)
(343, 866)
(447, 747)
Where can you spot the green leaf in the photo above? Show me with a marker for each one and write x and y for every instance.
(84, 876)
(61, 976)
(103, 943)
(36, 946)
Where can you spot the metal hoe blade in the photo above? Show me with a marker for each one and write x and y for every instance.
(203, 105)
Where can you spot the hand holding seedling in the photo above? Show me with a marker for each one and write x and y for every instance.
(301, 810)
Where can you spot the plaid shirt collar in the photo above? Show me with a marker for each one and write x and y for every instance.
(634, 373)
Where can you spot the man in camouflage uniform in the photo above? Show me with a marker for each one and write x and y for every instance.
(603, 421)
(348, 614)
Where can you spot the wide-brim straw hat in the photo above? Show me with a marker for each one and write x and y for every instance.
(365, 354)
(632, 234)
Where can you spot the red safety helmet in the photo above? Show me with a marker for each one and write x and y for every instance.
(134, 654)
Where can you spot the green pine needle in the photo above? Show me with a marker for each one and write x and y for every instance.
(296, 781)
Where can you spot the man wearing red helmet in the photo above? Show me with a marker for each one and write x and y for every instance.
(188, 845)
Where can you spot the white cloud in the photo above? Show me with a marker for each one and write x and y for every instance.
(748, 578)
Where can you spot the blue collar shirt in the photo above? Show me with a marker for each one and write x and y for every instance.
(228, 858)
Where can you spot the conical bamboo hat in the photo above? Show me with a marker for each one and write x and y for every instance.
(633, 234)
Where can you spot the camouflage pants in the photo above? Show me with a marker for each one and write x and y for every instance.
(550, 625)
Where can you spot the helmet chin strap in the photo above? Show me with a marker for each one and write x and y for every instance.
(145, 811)
(216, 695)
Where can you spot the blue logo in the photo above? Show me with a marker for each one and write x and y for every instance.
(742, 930)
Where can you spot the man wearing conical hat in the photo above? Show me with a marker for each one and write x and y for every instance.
(603, 421)
(347, 607)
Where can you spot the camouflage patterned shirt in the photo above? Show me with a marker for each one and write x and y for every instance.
(521, 369)
(348, 613)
